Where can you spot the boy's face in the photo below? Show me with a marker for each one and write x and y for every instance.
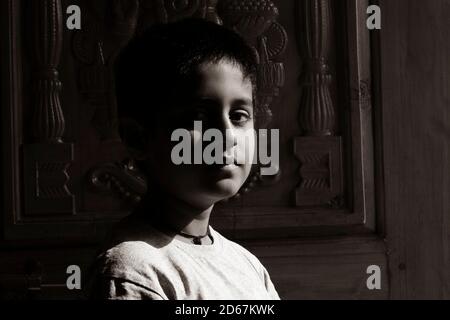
(222, 99)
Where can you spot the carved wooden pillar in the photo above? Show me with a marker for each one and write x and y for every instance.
(317, 114)
(47, 159)
(319, 151)
(48, 120)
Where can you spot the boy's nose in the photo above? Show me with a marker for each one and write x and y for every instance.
(228, 132)
(230, 139)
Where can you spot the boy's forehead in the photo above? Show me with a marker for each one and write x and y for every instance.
(225, 75)
(222, 68)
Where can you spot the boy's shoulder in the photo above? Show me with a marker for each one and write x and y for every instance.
(131, 262)
(136, 233)
(131, 246)
(241, 250)
(128, 257)
(134, 252)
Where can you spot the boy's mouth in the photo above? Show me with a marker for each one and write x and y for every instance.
(228, 163)
(224, 170)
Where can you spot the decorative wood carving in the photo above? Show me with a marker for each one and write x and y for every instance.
(164, 11)
(177, 10)
(120, 178)
(317, 114)
(48, 120)
(320, 171)
(46, 161)
(96, 47)
(354, 212)
(256, 21)
(363, 94)
(208, 11)
(250, 18)
(319, 152)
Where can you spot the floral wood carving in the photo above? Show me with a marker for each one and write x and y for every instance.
(257, 22)
(119, 178)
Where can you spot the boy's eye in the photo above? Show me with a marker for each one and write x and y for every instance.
(240, 116)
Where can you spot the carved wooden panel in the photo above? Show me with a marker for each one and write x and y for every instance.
(76, 176)
(68, 177)
(325, 116)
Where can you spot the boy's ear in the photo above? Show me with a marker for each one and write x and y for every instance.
(135, 137)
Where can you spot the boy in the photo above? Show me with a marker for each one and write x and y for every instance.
(166, 79)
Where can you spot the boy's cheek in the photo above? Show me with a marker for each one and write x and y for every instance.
(246, 147)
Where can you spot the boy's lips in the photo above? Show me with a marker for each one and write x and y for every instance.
(224, 170)
(229, 163)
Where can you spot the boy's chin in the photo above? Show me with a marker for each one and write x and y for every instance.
(225, 189)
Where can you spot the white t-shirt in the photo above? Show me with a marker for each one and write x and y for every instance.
(145, 263)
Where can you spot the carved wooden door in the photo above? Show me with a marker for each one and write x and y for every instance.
(318, 224)
(74, 177)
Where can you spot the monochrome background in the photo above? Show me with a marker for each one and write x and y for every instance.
(364, 152)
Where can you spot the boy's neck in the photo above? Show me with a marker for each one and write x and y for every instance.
(180, 216)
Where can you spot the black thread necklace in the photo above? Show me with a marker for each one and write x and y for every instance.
(196, 239)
